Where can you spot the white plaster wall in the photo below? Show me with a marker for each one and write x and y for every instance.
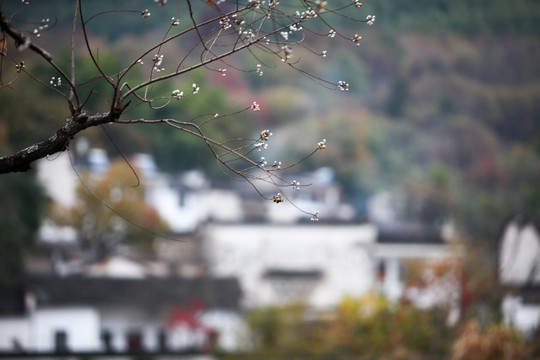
(119, 321)
(14, 329)
(525, 317)
(519, 254)
(80, 323)
(57, 176)
(342, 253)
(166, 200)
(232, 330)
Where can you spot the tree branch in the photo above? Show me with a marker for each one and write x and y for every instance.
(22, 41)
(21, 160)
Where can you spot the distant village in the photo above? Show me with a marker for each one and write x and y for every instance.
(228, 251)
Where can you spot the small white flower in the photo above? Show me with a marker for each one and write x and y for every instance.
(321, 145)
(225, 23)
(258, 70)
(332, 33)
(20, 66)
(343, 86)
(177, 94)
(55, 81)
(145, 13)
(255, 106)
(277, 198)
(261, 146)
(356, 39)
(195, 89)
(265, 135)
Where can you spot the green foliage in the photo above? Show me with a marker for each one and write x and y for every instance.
(466, 17)
(21, 208)
(364, 327)
(397, 97)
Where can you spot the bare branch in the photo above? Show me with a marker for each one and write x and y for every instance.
(21, 160)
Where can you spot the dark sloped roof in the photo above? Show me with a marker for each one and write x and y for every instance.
(406, 233)
(310, 274)
(530, 294)
(145, 293)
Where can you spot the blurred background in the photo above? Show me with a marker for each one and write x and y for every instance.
(428, 193)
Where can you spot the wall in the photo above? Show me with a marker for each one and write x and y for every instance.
(342, 253)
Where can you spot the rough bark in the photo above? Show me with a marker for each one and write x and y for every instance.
(21, 160)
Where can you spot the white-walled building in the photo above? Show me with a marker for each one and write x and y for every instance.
(519, 272)
(93, 315)
(320, 264)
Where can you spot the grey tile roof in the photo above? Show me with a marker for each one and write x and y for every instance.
(144, 293)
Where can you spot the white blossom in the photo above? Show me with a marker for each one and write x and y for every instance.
(343, 86)
(265, 135)
(145, 13)
(177, 94)
(277, 198)
(356, 39)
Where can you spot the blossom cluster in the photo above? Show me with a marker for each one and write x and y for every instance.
(265, 135)
(145, 13)
(20, 66)
(56, 81)
(43, 25)
(356, 39)
(225, 23)
(177, 94)
(158, 60)
(343, 86)
(255, 107)
(321, 145)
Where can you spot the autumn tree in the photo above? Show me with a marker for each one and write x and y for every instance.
(104, 204)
